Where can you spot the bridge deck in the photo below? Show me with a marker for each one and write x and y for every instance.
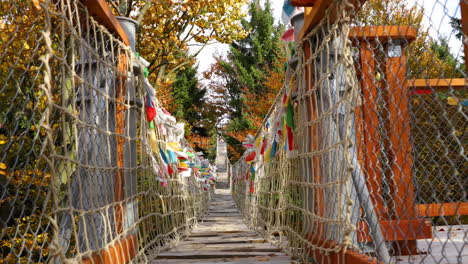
(223, 238)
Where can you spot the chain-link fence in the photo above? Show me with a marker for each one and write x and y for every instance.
(92, 168)
(362, 158)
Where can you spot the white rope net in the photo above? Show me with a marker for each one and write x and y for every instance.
(92, 168)
(362, 157)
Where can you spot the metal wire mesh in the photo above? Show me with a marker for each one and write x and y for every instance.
(362, 158)
(84, 177)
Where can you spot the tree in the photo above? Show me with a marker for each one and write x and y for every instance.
(188, 95)
(169, 27)
(24, 176)
(243, 77)
(453, 68)
(458, 30)
(424, 61)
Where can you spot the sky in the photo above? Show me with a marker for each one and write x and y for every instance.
(436, 18)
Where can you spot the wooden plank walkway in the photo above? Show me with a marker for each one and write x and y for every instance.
(223, 238)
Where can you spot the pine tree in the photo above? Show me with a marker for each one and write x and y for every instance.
(246, 69)
(188, 100)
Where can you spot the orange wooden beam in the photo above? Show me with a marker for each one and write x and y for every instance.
(398, 230)
(464, 22)
(120, 135)
(437, 83)
(368, 33)
(442, 209)
(398, 127)
(101, 11)
(342, 256)
(313, 15)
(399, 133)
(120, 253)
(370, 131)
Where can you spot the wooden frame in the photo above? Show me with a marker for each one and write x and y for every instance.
(442, 209)
(101, 11)
(383, 33)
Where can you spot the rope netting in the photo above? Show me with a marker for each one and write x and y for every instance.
(362, 157)
(92, 168)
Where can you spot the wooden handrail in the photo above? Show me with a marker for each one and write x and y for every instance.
(437, 83)
(368, 33)
(313, 15)
(101, 11)
(442, 209)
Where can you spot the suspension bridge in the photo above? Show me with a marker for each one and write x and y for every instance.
(223, 237)
(360, 159)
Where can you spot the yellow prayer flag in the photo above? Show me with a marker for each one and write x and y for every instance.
(452, 101)
(173, 146)
(183, 165)
(267, 154)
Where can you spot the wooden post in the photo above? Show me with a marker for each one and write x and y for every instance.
(399, 133)
(398, 128)
(371, 135)
(120, 135)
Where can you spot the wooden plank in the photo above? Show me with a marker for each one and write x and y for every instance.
(234, 240)
(214, 254)
(101, 11)
(119, 253)
(464, 22)
(249, 260)
(368, 33)
(442, 209)
(231, 247)
(437, 83)
(398, 230)
(224, 234)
